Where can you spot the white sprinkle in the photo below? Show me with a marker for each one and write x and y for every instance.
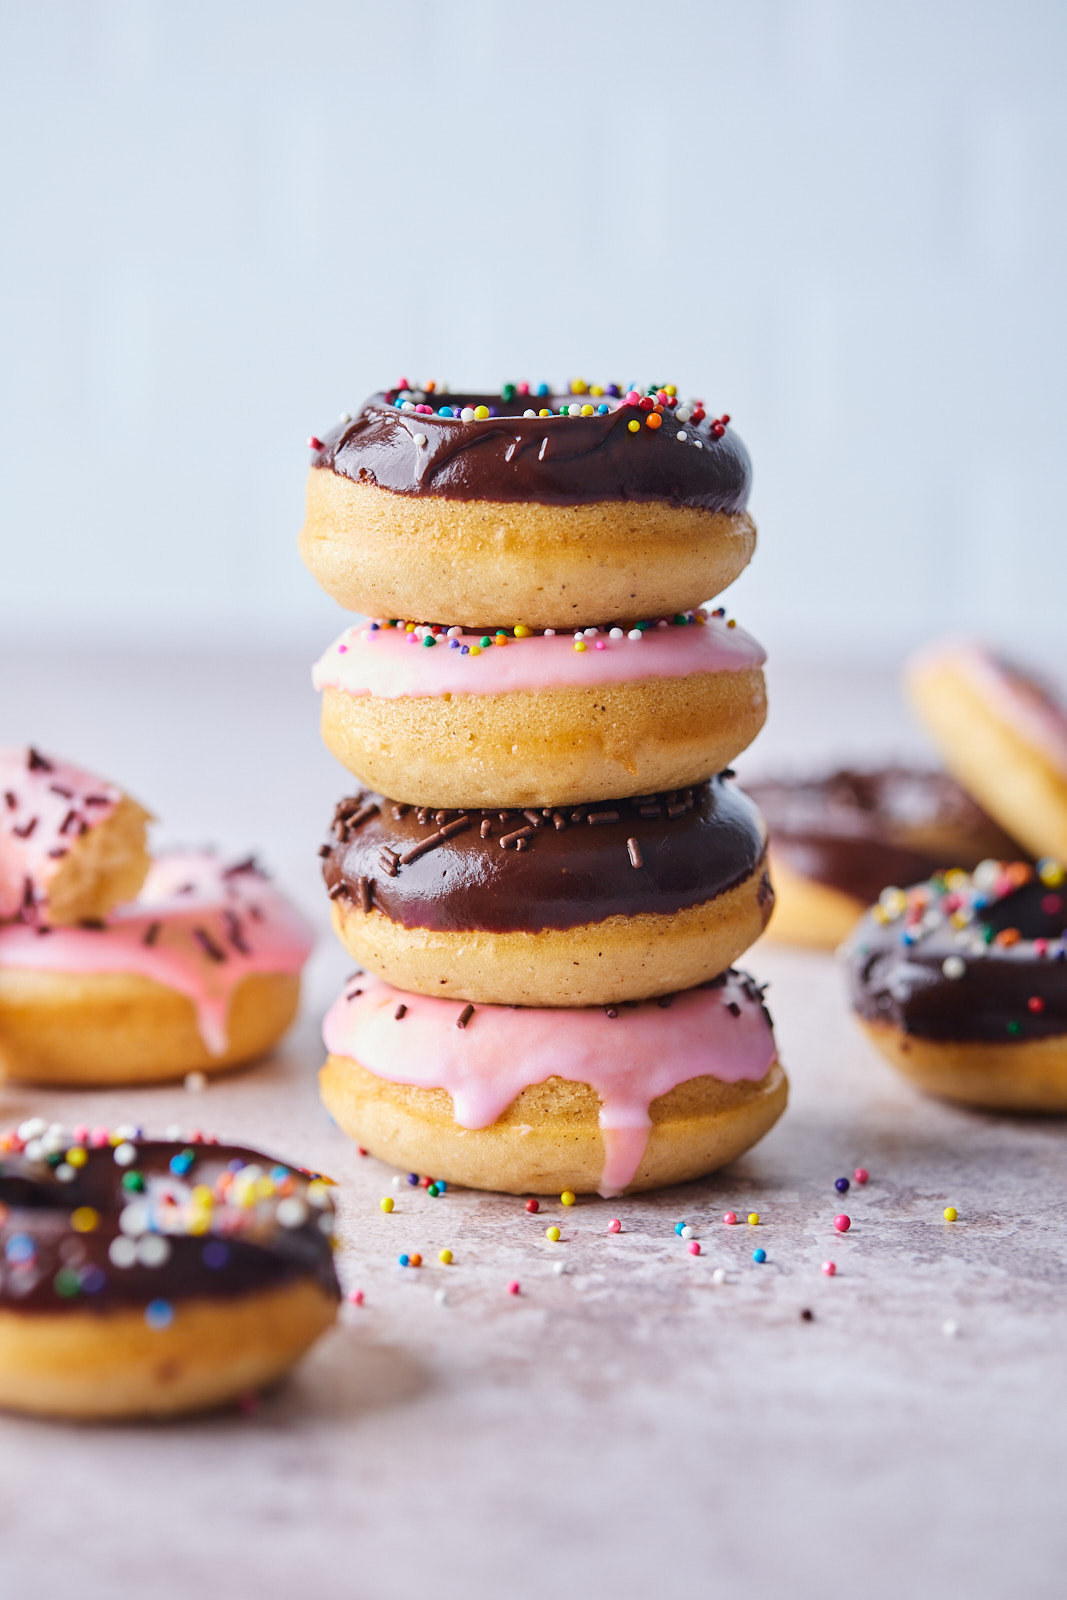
(467, 414)
(398, 1181)
(440, 1297)
(152, 1250)
(950, 1329)
(122, 1252)
(454, 633)
(953, 966)
(550, 633)
(195, 1082)
(615, 633)
(688, 1232)
(591, 633)
(34, 1150)
(682, 435)
(133, 1219)
(529, 413)
(326, 1222)
(346, 416)
(54, 1141)
(635, 633)
(574, 411)
(419, 438)
(683, 413)
(65, 1172)
(559, 1268)
(698, 444)
(128, 1130)
(32, 1129)
(291, 1213)
(579, 635)
(172, 1131)
(408, 405)
(125, 1155)
(719, 1275)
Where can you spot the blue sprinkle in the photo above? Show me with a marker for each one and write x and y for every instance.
(841, 1185)
(441, 1186)
(216, 1254)
(453, 644)
(601, 410)
(159, 1313)
(404, 1261)
(20, 1247)
(678, 1226)
(93, 1279)
(542, 388)
(759, 1256)
(374, 627)
(446, 411)
(413, 1177)
(180, 1164)
(465, 650)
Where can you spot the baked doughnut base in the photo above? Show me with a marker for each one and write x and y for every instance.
(110, 1364)
(809, 913)
(631, 957)
(1024, 1075)
(549, 1138)
(111, 1027)
(550, 747)
(103, 869)
(482, 563)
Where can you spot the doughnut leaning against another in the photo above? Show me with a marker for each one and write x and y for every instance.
(71, 845)
(145, 1278)
(549, 509)
(200, 973)
(1002, 733)
(961, 982)
(574, 907)
(837, 840)
(437, 717)
(608, 1100)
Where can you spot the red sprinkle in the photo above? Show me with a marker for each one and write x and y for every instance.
(315, 444)
(533, 1205)
(513, 1286)
(842, 1223)
(829, 1268)
(729, 1217)
(861, 1175)
(1035, 1003)
(694, 1247)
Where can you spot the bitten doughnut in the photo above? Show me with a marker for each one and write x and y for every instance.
(537, 1101)
(201, 972)
(1002, 734)
(146, 1278)
(520, 719)
(574, 907)
(836, 841)
(71, 845)
(549, 510)
(961, 982)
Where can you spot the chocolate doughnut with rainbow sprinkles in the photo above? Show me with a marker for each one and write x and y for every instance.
(146, 1278)
(548, 872)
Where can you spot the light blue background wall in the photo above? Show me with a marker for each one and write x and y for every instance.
(843, 222)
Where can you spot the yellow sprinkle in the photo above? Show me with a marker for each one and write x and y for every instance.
(579, 644)
(318, 1192)
(114, 1139)
(566, 1198)
(445, 1256)
(521, 631)
(476, 649)
(955, 879)
(753, 1219)
(264, 1188)
(595, 389)
(671, 389)
(84, 1219)
(1050, 872)
(481, 412)
(578, 386)
(387, 1203)
(951, 1213)
(77, 1156)
(199, 1222)
(959, 919)
(552, 1233)
(544, 412)
(587, 411)
(409, 627)
(634, 427)
(732, 623)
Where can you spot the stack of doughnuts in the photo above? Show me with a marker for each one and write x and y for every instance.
(115, 968)
(547, 871)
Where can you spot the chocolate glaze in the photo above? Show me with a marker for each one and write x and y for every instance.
(893, 982)
(36, 1207)
(562, 867)
(858, 832)
(552, 460)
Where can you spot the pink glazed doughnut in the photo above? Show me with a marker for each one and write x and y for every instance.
(605, 1099)
(446, 719)
(71, 845)
(200, 973)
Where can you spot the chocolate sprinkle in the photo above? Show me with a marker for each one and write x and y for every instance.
(464, 1017)
(634, 850)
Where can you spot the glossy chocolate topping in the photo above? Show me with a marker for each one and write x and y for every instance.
(554, 460)
(130, 1226)
(858, 832)
(505, 871)
(978, 982)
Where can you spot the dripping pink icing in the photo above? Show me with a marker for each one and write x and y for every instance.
(630, 1060)
(391, 663)
(201, 910)
(1010, 694)
(51, 799)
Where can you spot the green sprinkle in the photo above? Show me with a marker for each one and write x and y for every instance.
(680, 621)
(429, 639)
(66, 1282)
(508, 392)
(485, 642)
(1013, 1027)
(134, 1181)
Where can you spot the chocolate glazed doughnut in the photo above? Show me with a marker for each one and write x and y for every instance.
(147, 1277)
(962, 983)
(567, 906)
(491, 509)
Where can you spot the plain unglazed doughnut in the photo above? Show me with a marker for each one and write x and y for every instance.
(144, 1278)
(200, 973)
(838, 839)
(520, 1100)
(540, 719)
(1002, 733)
(575, 907)
(961, 982)
(488, 510)
(71, 845)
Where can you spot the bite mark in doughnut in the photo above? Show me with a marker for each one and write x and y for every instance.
(636, 507)
(535, 720)
(548, 907)
(520, 1099)
(144, 1277)
(71, 845)
(962, 983)
(199, 973)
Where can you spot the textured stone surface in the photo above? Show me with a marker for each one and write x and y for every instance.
(626, 1428)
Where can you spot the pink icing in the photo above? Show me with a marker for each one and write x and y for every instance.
(630, 1060)
(213, 927)
(45, 807)
(1016, 699)
(391, 663)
